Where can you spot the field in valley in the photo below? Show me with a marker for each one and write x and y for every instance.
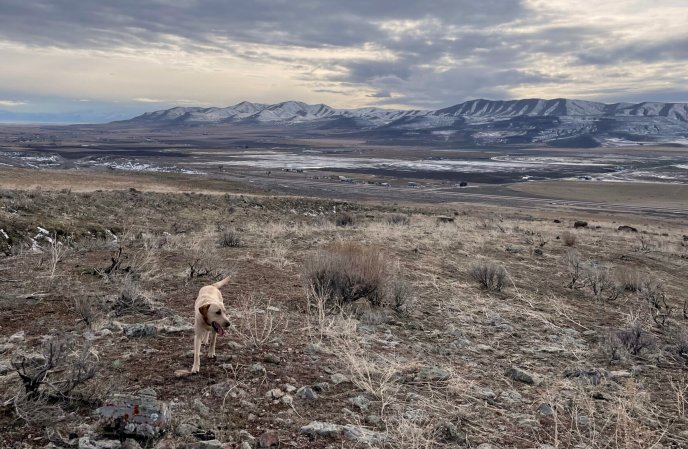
(368, 316)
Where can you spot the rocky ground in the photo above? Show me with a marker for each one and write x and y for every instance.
(578, 337)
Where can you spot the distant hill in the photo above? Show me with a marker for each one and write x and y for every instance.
(558, 121)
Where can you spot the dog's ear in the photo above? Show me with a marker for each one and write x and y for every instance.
(204, 311)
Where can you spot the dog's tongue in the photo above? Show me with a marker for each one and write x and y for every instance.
(218, 329)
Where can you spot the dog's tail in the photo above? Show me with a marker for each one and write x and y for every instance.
(220, 284)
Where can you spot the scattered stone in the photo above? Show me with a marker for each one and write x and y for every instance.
(363, 436)
(487, 394)
(287, 399)
(17, 338)
(431, 374)
(307, 393)
(139, 330)
(627, 229)
(173, 325)
(587, 376)
(511, 396)
(246, 437)
(580, 224)
(442, 219)
(321, 386)
(268, 439)
(514, 249)
(556, 221)
(538, 252)
(275, 393)
(545, 409)
(289, 388)
(185, 429)
(361, 402)
(131, 444)
(86, 443)
(583, 420)
(520, 375)
(271, 358)
(486, 446)
(338, 378)
(373, 420)
(246, 445)
(136, 415)
(414, 416)
(448, 432)
(5, 368)
(257, 369)
(220, 390)
(210, 444)
(201, 408)
(527, 422)
(620, 374)
(6, 347)
(323, 429)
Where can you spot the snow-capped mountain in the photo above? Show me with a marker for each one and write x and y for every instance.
(558, 121)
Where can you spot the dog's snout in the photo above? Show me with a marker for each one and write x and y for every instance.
(226, 324)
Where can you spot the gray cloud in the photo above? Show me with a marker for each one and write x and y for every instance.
(421, 54)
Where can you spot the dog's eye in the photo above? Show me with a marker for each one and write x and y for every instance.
(218, 312)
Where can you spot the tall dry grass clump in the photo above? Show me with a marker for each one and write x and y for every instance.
(347, 272)
(569, 238)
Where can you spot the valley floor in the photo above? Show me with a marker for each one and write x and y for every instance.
(585, 345)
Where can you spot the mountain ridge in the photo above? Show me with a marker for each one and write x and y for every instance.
(478, 121)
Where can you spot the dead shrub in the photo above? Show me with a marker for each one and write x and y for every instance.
(87, 308)
(230, 239)
(259, 326)
(569, 238)
(132, 299)
(398, 220)
(634, 338)
(630, 280)
(346, 273)
(653, 294)
(344, 220)
(58, 370)
(601, 283)
(399, 292)
(574, 267)
(489, 275)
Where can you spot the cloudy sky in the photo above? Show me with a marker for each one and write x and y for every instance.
(122, 57)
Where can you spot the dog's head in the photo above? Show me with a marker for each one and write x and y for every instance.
(215, 316)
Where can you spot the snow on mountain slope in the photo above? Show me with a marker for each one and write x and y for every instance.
(528, 120)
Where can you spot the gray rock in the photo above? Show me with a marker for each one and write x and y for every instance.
(289, 388)
(219, 390)
(138, 330)
(586, 376)
(257, 369)
(511, 397)
(131, 444)
(307, 393)
(337, 378)
(271, 358)
(210, 444)
(448, 432)
(5, 367)
(361, 402)
(545, 409)
(268, 439)
(245, 445)
(173, 325)
(486, 446)
(185, 429)
(17, 338)
(287, 399)
(520, 375)
(6, 347)
(201, 408)
(373, 420)
(583, 420)
(431, 374)
(87, 443)
(415, 416)
(275, 393)
(363, 436)
(246, 437)
(323, 429)
(321, 386)
(487, 394)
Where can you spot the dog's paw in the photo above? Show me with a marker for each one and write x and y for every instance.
(195, 369)
(212, 356)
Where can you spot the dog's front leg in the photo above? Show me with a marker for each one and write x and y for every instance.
(197, 354)
(211, 349)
